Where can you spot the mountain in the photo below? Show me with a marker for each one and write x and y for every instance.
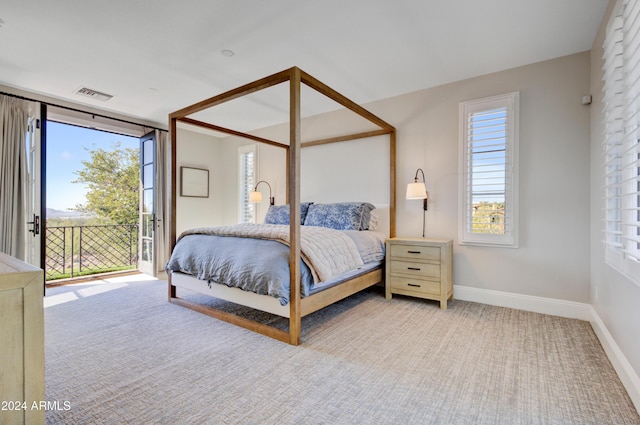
(51, 213)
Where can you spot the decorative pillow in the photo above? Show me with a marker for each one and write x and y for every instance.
(340, 216)
(373, 221)
(279, 214)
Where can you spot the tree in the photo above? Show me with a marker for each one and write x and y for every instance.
(113, 179)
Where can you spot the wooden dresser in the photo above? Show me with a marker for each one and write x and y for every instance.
(420, 267)
(21, 342)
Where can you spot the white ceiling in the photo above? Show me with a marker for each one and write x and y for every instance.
(158, 56)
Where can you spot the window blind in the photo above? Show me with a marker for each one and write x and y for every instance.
(614, 131)
(246, 181)
(621, 139)
(488, 165)
(630, 196)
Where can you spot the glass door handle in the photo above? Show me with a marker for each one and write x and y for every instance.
(36, 225)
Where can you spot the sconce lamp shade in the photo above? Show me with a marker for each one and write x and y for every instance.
(255, 197)
(416, 190)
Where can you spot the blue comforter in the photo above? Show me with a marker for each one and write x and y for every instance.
(256, 265)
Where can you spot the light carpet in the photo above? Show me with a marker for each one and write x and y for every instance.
(118, 353)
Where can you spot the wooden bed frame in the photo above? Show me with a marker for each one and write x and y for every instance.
(298, 307)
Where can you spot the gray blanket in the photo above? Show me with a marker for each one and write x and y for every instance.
(327, 252)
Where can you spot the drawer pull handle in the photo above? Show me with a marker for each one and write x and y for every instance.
(413, 284)
(413, 268)
(413, 252)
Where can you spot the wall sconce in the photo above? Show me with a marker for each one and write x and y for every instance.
(256, 196)
(417, 190)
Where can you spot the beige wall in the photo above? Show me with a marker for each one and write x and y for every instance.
(348, 171)
(615, 298)
(198, 150)
(553, 258)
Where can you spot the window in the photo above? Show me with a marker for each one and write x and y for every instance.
(247, 157)
(621, 145)
(489, 155)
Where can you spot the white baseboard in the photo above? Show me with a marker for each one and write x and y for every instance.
(562, 308)
(627, 375)
(569, 309)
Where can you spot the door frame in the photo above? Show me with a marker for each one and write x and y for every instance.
(148, 221)
(35, 240)
(83, 118)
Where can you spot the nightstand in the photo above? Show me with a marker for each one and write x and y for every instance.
(419, 267)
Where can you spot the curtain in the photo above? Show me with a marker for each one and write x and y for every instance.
(14, 116)
(162, 207)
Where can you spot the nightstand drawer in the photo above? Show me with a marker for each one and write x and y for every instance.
(420, 270)
(415, 285)
(431, 253)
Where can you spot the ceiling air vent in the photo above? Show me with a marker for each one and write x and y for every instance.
(93, 94)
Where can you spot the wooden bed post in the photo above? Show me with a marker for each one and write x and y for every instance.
(172, 198)
(297, 307)
(392, 184)
(294, 204)
(287, 160)
(174, 183)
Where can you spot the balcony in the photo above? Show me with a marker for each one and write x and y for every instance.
(74, 251)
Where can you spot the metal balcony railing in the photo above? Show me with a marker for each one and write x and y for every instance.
(73, 251)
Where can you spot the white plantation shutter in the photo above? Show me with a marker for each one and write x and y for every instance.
(247, 172)
(488, 142)
(614, 130)
(621, 146)
(630, 165)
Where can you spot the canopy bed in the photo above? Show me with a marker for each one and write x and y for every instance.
(291, 232)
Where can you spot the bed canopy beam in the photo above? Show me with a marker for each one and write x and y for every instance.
(344, 101)
(296, 77)
(261, 84)
(214, 127)
(355, 136)
(273, 80)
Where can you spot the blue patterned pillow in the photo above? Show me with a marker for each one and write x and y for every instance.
(340, 216)
(279, 214)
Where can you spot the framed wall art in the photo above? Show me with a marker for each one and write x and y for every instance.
(194, 182)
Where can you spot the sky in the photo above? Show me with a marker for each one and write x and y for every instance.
(66, 149)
